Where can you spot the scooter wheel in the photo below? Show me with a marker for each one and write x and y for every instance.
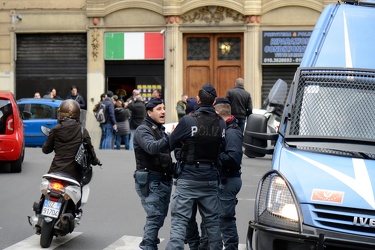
(46, 234)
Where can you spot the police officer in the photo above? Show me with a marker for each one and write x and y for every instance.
(230, 176)
(153, 178)
(200, 137)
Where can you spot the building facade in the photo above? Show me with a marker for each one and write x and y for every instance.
(172, 45)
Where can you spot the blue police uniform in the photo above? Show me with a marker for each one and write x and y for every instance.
(153, 179)
(203, 136)
(230, 183)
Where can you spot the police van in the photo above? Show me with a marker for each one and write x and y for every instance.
(320, 193)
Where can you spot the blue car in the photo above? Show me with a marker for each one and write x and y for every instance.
(37, 112)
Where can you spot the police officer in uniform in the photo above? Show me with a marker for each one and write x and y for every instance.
(230, 176)
(153, 175)
(200, 137)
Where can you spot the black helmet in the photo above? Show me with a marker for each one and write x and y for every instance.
(69, 109)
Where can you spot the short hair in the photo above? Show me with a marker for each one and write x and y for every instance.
(73, 87)
(206, 98)
(223, 109)
(240, 82)
(139, 98)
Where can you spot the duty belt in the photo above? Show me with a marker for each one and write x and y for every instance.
(198, 164)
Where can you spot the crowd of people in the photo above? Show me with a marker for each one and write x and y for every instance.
(122, 117)
(74, 95)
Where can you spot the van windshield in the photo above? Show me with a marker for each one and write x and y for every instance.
(335, 104)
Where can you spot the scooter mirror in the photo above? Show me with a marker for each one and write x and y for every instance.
(45, 130)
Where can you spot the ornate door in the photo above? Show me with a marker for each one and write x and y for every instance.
(212, 58)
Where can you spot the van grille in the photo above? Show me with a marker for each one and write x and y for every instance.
(333, 103)
(341, 219)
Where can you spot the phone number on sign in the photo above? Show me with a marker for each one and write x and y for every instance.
(282, 60)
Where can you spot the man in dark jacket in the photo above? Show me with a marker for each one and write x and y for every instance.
(200, 137)
(110, 125)
(241, 102)
(138, 113)
(153, 175)
(74, 95)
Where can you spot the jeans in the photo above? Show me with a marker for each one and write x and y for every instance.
(131, 139)
(120, 138)
(228, 191)
(205, 194)
(156, 205)
(241, 123)
(107, 132)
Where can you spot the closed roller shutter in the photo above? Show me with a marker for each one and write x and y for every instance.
(47, 61)
(272, 73)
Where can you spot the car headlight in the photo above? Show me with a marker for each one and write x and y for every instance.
(276, 204)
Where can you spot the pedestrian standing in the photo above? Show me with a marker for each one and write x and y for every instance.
(241, 102)
(181, 106)
(95, 111)
(54, 94)
(153, 175)
(230, 175)
(74, 95)
(109, 126)
(200, 137)
(138, 114)
(122, 116)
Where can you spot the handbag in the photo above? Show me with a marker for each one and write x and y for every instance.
(82, 157)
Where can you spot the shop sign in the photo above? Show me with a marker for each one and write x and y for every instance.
(284, 47)
(134, 46)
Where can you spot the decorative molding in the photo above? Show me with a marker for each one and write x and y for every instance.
(95, 43)
(212, 14)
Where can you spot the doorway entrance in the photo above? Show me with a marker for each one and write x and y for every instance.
(122, 77)
(212, 58)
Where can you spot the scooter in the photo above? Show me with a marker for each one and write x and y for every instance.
(58, 211)
(269, 118)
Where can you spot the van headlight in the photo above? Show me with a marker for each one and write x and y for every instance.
(276, 204)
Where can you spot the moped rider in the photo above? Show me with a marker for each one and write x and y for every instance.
(65, 139)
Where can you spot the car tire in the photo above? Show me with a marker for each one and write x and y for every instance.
(16, 166)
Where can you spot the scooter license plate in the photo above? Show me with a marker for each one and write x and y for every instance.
(51, 208)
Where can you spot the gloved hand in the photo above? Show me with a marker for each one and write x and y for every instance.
(96, 161)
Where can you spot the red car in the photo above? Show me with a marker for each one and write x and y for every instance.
(12, 142)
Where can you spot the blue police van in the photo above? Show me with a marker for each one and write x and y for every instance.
(320, 192)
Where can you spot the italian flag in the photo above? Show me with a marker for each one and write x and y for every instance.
(134, 46)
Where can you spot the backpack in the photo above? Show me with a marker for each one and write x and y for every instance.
(100, 114)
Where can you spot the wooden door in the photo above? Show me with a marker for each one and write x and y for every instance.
(212, 58)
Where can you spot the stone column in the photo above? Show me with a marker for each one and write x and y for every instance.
(95, 78)
(173, 67)
(253, 67)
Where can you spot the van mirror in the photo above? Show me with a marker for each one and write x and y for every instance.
(256, 141)
(278, 93)
(45, 130)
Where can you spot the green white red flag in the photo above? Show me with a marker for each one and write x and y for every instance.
(134, 46)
